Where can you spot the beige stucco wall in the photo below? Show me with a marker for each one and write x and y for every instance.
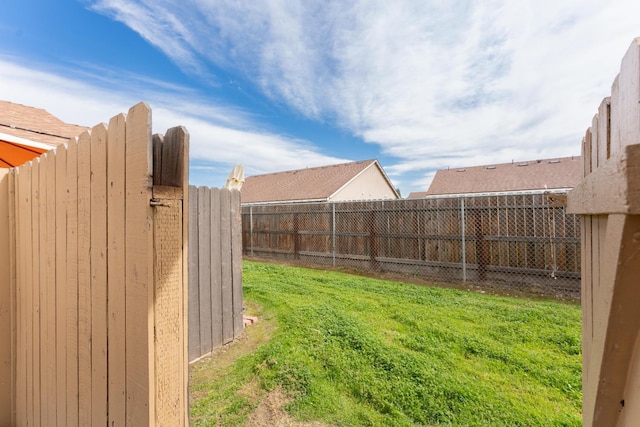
(369, 185)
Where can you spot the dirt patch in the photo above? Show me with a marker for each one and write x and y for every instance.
(270, 412)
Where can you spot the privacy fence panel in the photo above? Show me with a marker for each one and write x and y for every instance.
(525, 242)
(215, 269)
(93, 280)
(608, 200)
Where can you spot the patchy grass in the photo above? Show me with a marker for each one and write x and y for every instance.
(350, 350)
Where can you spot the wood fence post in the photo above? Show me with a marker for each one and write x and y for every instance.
(170, 258)
(373, 240)
(608, 198)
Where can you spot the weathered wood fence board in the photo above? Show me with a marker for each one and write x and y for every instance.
(450, 238)
(609, 201)
(7, 343)
(215, 276)
(95, 284)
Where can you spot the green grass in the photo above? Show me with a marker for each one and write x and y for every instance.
(350, 350)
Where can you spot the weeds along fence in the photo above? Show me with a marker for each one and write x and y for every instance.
(524, 242)
(215, 269)
(92, 292)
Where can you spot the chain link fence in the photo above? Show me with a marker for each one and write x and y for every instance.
(519, 242)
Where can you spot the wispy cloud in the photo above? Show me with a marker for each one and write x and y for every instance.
(220, 136)
(432, 83)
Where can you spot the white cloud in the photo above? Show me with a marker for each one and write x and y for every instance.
(433, 83)
(219, 136)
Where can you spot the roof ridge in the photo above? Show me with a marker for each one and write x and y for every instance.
(312, 168)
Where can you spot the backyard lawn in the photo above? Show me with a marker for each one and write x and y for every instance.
(338, 349)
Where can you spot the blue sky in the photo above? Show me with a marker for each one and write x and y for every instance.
(285, 84)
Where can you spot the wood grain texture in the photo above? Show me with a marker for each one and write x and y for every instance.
(612, 188)
(72, 283)
(168, 306)
(194, 291)
(33, 315)
(226, 278)
(139, 268)
(204, 268)
(236, 263)
(172, 171)
(609, 199)
(24, 296)
(6, 313)
(13, 279)
(618, 311)
(84, 279)
(98, 236)
(625, 101)
(116, 256)
(50, 249)
(61, 284)
(218, 258)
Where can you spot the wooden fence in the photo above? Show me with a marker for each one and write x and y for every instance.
(93, 280)
(215, 269)
(609, 201)
(528, 237)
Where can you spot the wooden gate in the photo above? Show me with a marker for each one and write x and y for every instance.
(609, 201)
(93, 295)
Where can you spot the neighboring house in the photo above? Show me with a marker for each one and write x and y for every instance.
(363, 180)
(516, 177)
(26, 132)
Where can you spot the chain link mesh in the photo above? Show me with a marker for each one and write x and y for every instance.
(524, 242)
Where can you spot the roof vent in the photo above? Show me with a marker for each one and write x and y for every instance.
(554, 161)
(461, 170)
(491, 167)
(523, 164)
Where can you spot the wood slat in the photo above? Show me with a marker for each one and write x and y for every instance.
(236, 263)
(226, 277)
(625, 101)
(98, 235)
(204, 268)
(84, 279)
(6, 320)
(15, 296)
(61, 284)
(194, 291)
(138, 267)
(218, 258)
(35, 307)
(72, 284)
(25, 283)
(50, 299)
(116, 256)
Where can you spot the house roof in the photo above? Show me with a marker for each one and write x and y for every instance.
(310, 184)
(547, 174)
(35, 124)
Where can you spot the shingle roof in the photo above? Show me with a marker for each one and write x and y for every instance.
(558, 173)
(308, 184)
(35, 124)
